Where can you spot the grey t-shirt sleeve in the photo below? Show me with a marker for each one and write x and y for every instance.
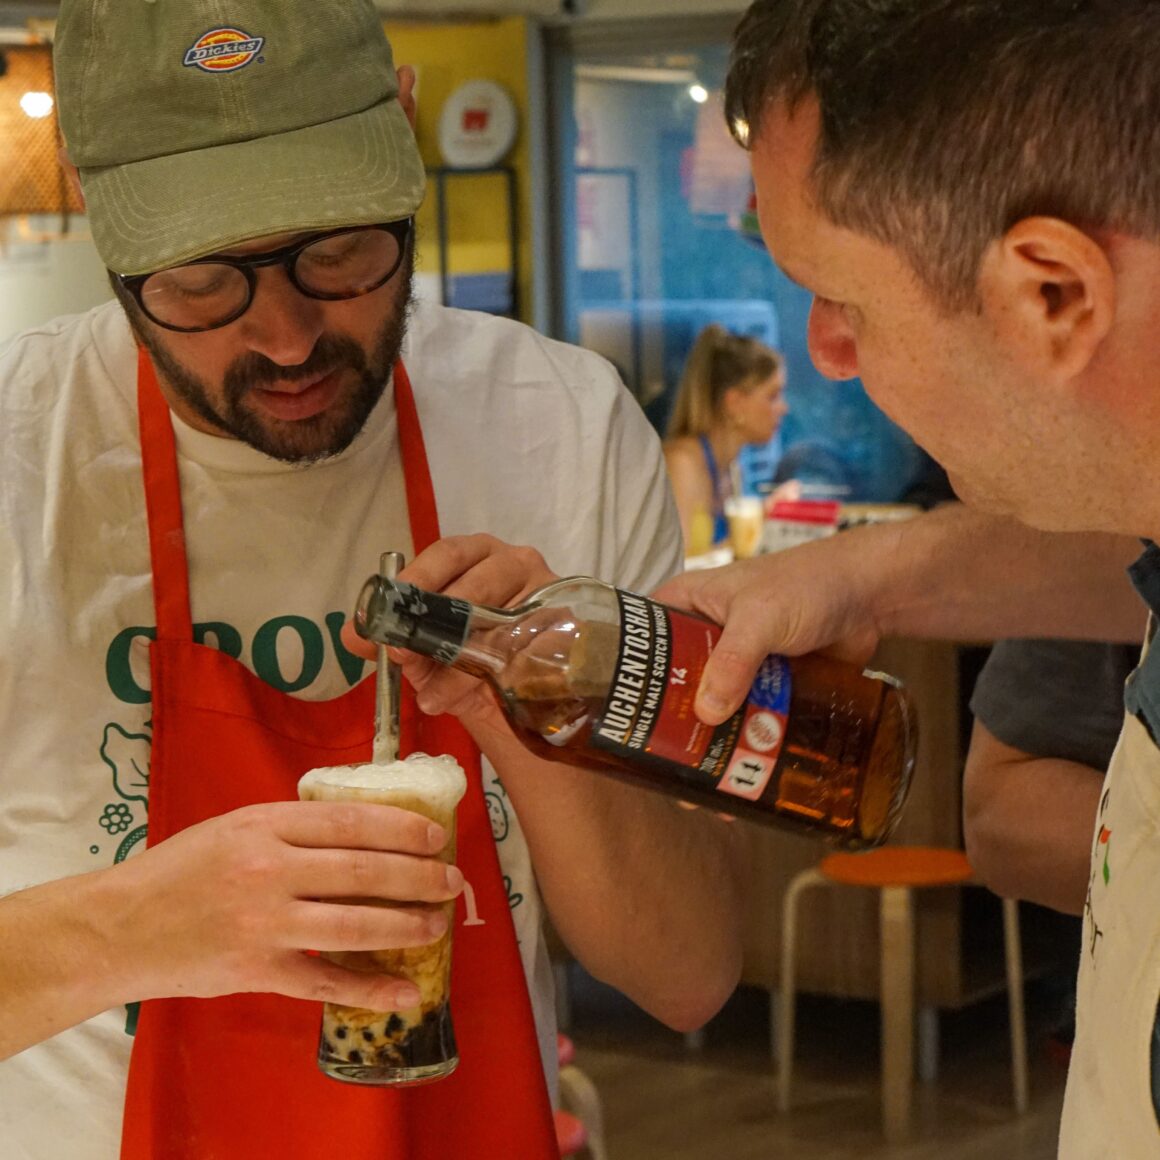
(1056, 698)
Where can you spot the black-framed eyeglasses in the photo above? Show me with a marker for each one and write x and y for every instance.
(215, 291)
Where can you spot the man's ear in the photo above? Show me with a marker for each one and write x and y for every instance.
(407, 79)
(70, 172)
(1050, 291)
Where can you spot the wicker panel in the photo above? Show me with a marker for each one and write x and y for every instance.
(31, 178)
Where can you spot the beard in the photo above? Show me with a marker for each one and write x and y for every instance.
(300, 441)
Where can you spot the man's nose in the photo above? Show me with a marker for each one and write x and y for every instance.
(831, 341)
(282, 323)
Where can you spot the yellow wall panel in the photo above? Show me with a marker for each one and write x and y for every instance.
(446, 55)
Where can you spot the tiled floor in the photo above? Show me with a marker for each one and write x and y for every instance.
(663, 1102)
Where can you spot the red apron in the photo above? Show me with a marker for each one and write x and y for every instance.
(234, 1078)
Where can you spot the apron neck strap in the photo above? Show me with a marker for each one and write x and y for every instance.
(163, 506)
(421, 509)
(163, 493)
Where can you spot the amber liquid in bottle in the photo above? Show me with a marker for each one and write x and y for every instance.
(841, 765)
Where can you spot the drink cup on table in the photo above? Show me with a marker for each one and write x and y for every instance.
(394, 1047)
(745, 514)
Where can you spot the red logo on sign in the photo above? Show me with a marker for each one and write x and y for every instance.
(475, 120)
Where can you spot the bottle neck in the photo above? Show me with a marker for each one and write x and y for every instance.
(481, 652)
(451, 631)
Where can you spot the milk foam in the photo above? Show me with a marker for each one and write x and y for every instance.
(437, 780)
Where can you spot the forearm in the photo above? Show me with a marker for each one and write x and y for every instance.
(959, 573)
(56, 966)
(951, 574)
(1028, 823)
(646, 894)
(226, 906)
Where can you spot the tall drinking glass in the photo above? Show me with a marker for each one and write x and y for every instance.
(415, 1045)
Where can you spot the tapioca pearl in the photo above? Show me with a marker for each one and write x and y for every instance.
(368, 1035)
(394, 1024)
(355, 1057)
(340, 1033)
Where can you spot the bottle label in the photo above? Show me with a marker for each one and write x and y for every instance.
(649, 710)
(426, 622)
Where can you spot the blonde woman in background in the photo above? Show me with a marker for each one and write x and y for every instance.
(731, 394)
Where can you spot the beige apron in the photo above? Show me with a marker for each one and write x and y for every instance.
(1108, 1112)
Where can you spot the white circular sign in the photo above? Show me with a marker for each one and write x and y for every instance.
(477, 126)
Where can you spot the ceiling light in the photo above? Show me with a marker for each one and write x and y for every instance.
(36, 104)
(699, 93)
(635, 74)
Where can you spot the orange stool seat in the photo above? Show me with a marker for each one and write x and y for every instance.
(896, 872)
(898, 866)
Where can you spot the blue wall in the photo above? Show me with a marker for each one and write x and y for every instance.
(681, 263)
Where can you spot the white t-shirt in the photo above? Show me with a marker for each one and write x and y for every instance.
(531, 440)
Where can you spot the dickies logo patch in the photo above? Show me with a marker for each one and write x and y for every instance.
(224, 50)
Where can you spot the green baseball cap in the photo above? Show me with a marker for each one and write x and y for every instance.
(199, 124)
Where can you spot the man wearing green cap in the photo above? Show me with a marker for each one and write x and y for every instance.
(194, 481)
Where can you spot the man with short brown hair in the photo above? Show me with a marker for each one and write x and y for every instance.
(972, 193)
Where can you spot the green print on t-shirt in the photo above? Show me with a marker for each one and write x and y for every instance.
(313, 641)
(127, 754)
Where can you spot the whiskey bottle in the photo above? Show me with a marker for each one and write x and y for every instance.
(598, 676)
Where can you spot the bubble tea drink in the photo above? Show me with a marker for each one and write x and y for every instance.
(399, 1047)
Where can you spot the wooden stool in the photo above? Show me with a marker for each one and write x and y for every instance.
(896, 871)
(580, 1117)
